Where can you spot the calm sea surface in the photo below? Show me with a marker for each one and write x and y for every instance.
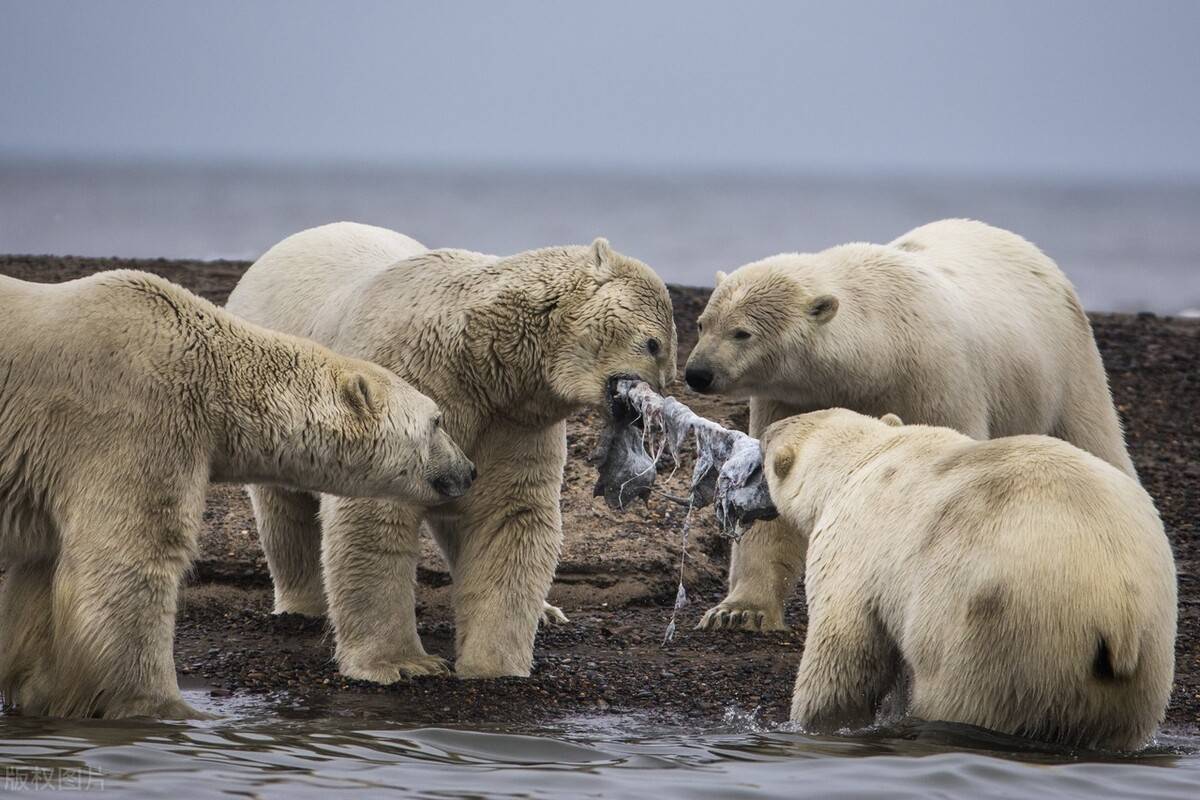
(1127, 246)
(253, 753)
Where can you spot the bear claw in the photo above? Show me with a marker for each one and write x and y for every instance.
(386, 672)
(725, 617)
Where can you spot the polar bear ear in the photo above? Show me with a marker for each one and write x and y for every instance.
(783, 462)
(891, 419)
(360, 394)
(603, 260)
(823, 308)
(720, 277)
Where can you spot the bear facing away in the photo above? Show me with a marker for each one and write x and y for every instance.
(509, 347)
(1023, 584)
(121, 397)
(955, 323)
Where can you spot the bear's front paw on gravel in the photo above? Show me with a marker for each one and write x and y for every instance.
(553, 615)
(393, 670)
(734, 615)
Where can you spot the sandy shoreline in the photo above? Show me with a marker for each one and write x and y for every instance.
(618, 571)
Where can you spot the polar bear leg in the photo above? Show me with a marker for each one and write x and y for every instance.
(115, 593)
(290, 532)
(26, 633)
(370, 552)
(508, 542)
(447, 539)
(1090, 422)
(765, 565)
(848, 667)
(763, 570)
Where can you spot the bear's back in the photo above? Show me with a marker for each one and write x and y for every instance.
(1011, 312)
(96, 357)
(96, 315)
(312, 275)
(986, 267)
(1039, 502)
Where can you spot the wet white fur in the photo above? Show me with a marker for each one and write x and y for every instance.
(1023, 584)
(509, 347)
(121, 397)
(956, 323)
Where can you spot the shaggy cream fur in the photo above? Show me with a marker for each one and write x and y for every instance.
(1022, 584)
(509, 347)
(955, 323)
(121, 397)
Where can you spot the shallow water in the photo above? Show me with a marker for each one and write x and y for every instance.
(255, 752)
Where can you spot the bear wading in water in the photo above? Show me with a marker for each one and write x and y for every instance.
(121, 397)
(1022, 584)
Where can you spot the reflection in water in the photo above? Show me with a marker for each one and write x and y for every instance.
(252, 751)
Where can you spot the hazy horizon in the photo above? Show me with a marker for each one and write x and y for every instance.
(696, 135)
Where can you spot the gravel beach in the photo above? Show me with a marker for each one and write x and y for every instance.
(617, 578)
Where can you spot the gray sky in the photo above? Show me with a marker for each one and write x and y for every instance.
(1050, 87)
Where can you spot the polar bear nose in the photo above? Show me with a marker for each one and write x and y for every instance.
(453, 484)
(698, 378)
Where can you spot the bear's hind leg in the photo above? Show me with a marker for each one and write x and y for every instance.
(26, 633)
(1091, 423)
(370, 552)
(848, 667)
(115, 594)
(290, 531)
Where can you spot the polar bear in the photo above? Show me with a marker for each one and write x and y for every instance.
(122, 397)
(955, 323)
(1022, 584)
(509, 347)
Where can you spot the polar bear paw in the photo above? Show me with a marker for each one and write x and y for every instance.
(308, 603)
(394, 670)
(170, 708)
(737, 615)
(553, 615)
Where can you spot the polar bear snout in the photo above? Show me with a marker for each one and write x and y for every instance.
(451, 486)
(453, 472)
(699, 377)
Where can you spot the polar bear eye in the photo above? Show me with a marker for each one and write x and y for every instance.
(653, 346)
(437, 421)
(741, 334)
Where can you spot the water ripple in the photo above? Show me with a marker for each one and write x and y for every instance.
(606, 756)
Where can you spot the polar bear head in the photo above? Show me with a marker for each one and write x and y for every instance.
(761, 326)
(359, 430)
(801, 453)
(616, 322)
